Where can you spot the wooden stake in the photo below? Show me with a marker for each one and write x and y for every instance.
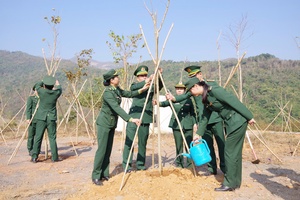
(234, 70)
(22, 138)
(264, 143)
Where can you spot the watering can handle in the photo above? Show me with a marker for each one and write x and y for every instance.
(206, 146)
(199, 141)
(192, 143)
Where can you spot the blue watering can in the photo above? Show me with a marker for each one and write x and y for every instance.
(199, 152)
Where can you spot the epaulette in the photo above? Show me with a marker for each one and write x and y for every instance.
(210, 80)
(210, 88)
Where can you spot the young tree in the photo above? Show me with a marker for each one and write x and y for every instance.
(236, 36)
(54, 59)
(122, 49)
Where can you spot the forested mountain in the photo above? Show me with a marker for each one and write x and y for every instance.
(268, 81)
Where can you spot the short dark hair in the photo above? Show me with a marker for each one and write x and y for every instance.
(49, 87)
(106, 82)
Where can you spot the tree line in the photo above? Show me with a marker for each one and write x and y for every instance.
(269, 83)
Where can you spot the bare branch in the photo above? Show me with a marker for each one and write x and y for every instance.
(165, 15)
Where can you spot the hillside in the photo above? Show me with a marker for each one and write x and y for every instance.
(268, 81)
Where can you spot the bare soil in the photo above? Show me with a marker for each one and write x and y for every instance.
(71, 178)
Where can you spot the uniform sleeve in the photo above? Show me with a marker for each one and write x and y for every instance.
(38, 85)
(29, 108)
(222, 95)
(164, 103)
(111, 101)
(204, 117)
(137, 86)
(182, 97)
(193, 112)
(128, 94)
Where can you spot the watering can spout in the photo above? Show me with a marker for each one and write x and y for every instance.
(187, 155)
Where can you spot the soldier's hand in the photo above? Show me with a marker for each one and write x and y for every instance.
(196, 137)
(145, 87)
(136, 121)
(195, 128)
(154, 102)
(251, 122)
(169, 96)
(149, 79)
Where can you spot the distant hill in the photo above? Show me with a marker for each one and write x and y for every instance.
(100, 65)
(268, 81)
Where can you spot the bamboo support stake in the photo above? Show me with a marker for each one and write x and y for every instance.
(23, 136)
(153, 141)
(82, 116)
(179, 124)
(13, 118)
(19, 143)
(45, 60)
(92, 108)
(89, 113)
(234, 70)
(1, 130)
(275, 118)
(21, 121)
(7, 125)
(264, 142)
(69, 109)
(157, 62)
(141, 117)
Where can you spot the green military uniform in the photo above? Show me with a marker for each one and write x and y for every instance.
(107, 122)
(214, 127)
(46, 116)
(30, 108)
(186, 115)
(235, 116)
(135, 112)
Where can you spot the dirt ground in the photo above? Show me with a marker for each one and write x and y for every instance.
(71, 178)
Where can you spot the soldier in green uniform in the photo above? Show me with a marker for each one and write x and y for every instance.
(32, 101)
(135, 111)
(236, 117)
(214, 127)
(215, 123)
(48, 91)
(107, 122)
(186, 115)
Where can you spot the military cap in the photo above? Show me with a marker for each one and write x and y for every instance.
(49, 80)
(192, 70)
(191, 82)
(141, 70)
(179, 85)
(110, 74)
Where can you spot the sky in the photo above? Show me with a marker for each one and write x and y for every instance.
(194, 27)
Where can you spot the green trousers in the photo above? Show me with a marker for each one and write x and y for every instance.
(143, 134)
(105, 138)
(233, 157)
(41, 126)
(31, 134)
(188, 135)
(215, 131)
